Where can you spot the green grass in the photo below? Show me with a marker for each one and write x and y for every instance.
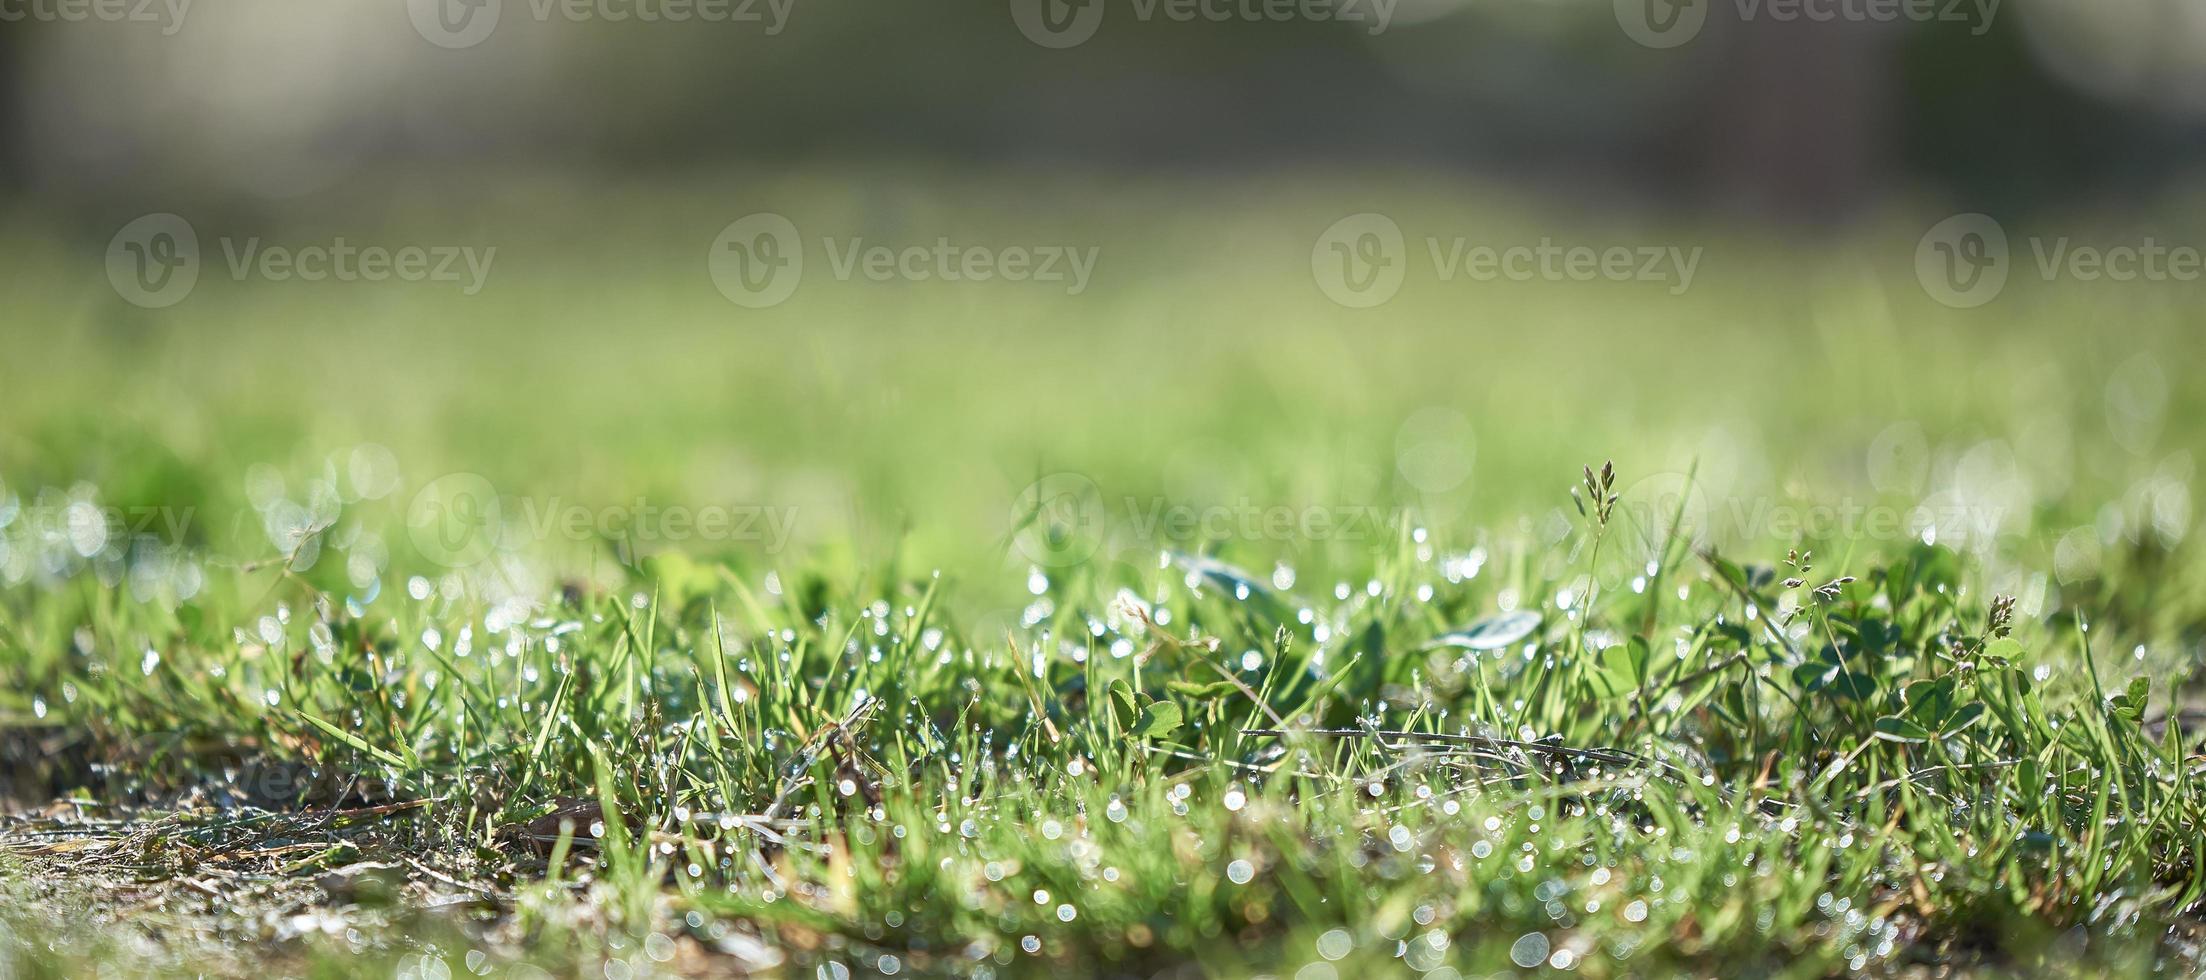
(1479, 718)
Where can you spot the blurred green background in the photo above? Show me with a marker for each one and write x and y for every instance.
(1204, 366)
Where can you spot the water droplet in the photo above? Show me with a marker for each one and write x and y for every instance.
(1529, 950)
(1335, 944)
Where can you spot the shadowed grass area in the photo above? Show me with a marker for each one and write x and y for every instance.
(921, 627)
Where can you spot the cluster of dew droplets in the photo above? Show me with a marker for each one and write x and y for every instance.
(60, 534)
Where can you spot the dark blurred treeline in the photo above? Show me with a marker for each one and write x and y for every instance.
(1802, 122)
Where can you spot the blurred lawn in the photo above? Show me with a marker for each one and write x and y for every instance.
(1202, 367)
(2052, 431)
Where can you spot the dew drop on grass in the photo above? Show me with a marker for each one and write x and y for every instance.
(1032, 944)
(1234, 799)
(1529, 950)
(1636, 911)
(1066, 913)
(1335, 944)
(1239, 872)
(1116, 811)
